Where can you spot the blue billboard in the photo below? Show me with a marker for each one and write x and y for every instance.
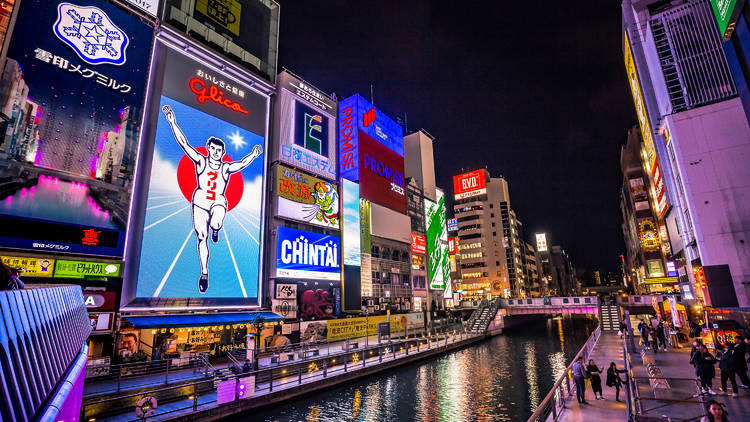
(307, 255)
(71, 95)
(357, 114)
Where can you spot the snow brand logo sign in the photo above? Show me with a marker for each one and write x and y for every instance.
(91, 34)
(311, 129)
(302, 254)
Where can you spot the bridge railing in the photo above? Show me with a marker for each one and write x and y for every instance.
(551, 407)
(559, 302)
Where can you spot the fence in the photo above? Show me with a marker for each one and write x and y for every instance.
(554, 402)
(202, 393)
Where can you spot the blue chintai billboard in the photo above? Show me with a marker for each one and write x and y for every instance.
(71, 98)
(201, 229)
(305, 255)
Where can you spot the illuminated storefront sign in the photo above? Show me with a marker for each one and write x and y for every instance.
(650, 160)
(302, 254)
(30, 267)
(469, 184)
(305, 128)
(452, 245)
(647, 235)
(418, 244)
(306, 198)
(671, 269)
(417, 262)
(204, 205)
(655, 268)
(541, 242)
(85, 269)
(71, 126)
(726, 12)
(371, 151)
(661, 280)
(452, 224)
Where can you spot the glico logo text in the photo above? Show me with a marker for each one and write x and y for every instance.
(198, 87)
(383, 170)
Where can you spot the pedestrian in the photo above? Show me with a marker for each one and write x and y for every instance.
(661, 335)
(704, 362)
(739, 349)
(9, 278)
(715, 412)
(654, 339)
(623, 328)
(614, 380)
(596, 380)
(579, 377)
(643, 329)
(246, 367)
(726, 366)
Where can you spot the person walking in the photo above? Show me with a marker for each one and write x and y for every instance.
(660, 334)
(715, 412)
(579, 377)
(623, 329)
(654, 339)
(596, 380)
(614, 380)
(704, 362)
(739, 349)
(726, 366)
(643, 329)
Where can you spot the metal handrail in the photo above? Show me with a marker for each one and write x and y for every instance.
(554, 401)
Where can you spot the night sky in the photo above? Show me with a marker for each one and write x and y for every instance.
(536, 93)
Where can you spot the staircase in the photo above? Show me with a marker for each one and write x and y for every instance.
(481, 317)
(222, 374)
(609, 317)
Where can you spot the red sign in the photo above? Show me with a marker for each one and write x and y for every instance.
(381, 174)
(451, 245)
(418, 244)
(469, 184)
(214, 94)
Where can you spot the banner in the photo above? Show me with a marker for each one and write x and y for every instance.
(30, 267)
(85, 269)
(306, 198)
(341, 329)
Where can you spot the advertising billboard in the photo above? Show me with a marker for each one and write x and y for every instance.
(418, 244)
(353, 234)
(305, 128)
(371, 152)
(305, 198)
(651, 163)
(307, 255)
(469, 184)
(71, 117)
(30, 267)
(452, 245)
(541, 242)
(84, 269)
(245, 30)
(202, 223)
(437, 243)
(726, 12)
(452, 224)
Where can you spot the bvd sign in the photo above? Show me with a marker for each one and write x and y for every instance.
(469, 184)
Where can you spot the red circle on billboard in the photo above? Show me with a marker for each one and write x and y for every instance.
(187, 180)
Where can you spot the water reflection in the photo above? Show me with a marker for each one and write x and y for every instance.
(494, 381)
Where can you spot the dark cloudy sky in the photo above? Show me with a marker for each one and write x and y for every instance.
(534, 91)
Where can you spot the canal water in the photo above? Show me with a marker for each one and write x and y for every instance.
(501, 379)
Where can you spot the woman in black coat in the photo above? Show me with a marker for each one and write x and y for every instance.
(613, 378)
(596, 381)
(704, 363)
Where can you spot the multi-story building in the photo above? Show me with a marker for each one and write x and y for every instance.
(695, 132)
(534, 285)
(563, 276)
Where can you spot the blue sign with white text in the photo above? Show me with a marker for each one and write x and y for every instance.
(303, 254)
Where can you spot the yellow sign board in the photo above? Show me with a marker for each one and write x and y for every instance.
(31, 267)
(341, 329)
(225, 13)
(662, 280)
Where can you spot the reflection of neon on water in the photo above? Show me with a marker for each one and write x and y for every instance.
(50, 199)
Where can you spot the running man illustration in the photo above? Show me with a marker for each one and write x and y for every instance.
(209, 201)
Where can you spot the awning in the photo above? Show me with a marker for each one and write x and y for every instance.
(202, 320)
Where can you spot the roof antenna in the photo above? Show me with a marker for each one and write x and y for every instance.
(372, 95)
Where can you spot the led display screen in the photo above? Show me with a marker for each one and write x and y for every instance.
(71, 92)
(305, 198)
(305, 128)
(307, 255)
(201, 234)
(352, 237)
(437, 243)
(469, 184)
(541, 242)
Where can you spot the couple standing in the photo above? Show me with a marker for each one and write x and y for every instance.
(592, 371)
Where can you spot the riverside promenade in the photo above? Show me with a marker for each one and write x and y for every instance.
(210, 398)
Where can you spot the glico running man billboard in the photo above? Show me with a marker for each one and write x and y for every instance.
(307, 255)
(371, 152)
(71, 95)
(302, 197)
(305, 128)
(201, 234)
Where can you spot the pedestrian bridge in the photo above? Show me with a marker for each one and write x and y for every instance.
(551, 305)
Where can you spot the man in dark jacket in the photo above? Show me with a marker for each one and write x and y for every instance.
(643, 328)
(726, 365)
(739, 348)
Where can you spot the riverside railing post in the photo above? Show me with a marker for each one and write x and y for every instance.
(166, 373)
(119, 378)
(346, 356)
(299, 374)
(270, 380)
(325, 368)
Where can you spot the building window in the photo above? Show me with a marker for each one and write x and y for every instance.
(497, 263)
(491, 206)
(494, 234)
(375, 252)
(493, 224)
(376, 277)
(404, 256)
